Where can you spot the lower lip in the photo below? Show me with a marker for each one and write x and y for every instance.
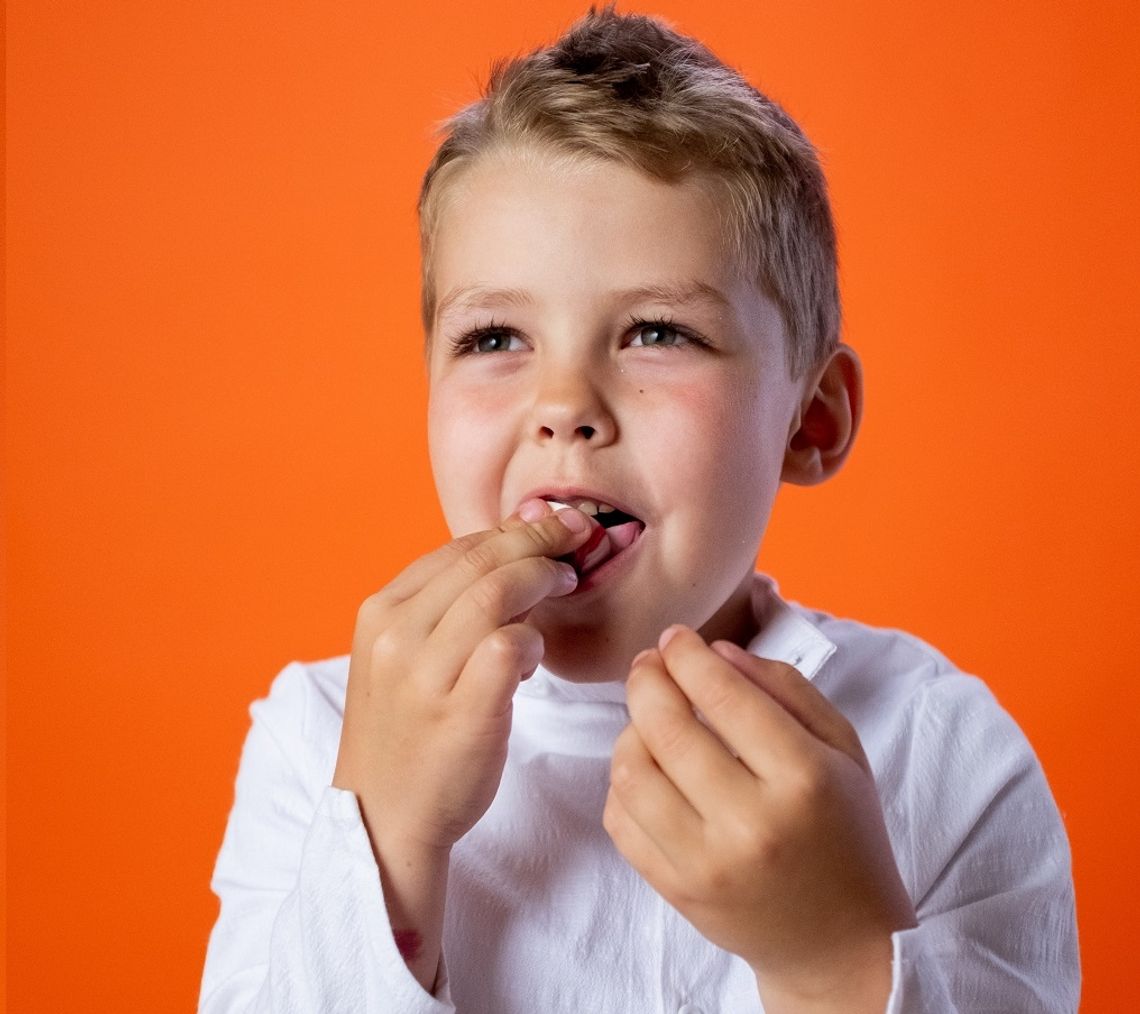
(605, 572)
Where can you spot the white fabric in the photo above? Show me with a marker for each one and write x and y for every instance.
(544, 916)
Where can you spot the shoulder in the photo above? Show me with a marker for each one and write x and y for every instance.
(886, 671)
(924, 722)
(959, 781)
(303, 710)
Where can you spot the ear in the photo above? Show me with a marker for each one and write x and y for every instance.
(826, 421)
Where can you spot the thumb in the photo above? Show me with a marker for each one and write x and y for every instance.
(788, 687)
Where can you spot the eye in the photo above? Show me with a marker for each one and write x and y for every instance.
(485, 340)
(493, 341)
(651, 334)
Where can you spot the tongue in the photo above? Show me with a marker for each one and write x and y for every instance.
(622, 535)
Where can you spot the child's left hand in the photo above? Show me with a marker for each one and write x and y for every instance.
(778, 854)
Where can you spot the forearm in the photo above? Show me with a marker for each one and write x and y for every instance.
(414, 882)
(415, 890)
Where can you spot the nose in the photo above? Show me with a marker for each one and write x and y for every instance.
(570, 407)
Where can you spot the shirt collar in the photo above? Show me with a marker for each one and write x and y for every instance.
(786, 635)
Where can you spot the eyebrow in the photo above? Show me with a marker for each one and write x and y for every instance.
(477, 297)
(679, 294)
(686, 293)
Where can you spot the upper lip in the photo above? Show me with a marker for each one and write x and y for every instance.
(565, 493)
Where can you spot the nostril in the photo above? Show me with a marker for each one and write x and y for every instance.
(551, 432)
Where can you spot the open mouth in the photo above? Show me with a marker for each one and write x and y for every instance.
(614, 530)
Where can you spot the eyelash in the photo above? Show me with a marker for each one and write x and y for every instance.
(467, 342)
(637, 323)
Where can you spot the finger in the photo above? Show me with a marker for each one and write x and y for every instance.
(412, 579)
(752, 723)
(788, 687)
(417, 574)
(688, 754)
(494, 600)
(500, 661)
(639, 850)
(652, 801)
(551, 536)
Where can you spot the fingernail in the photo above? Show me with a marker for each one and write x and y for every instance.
(534, 509)
(568, 576)
(640, 657)
(667, 635)
(575, 520)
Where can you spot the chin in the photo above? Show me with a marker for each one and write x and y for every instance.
(594, 655)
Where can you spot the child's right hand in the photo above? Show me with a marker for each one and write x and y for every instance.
(436, 657)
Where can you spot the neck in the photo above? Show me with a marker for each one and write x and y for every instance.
(611, 649)
(735, 621)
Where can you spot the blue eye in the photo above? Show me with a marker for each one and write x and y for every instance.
(486, 340)
(492, 341)
(651, 334)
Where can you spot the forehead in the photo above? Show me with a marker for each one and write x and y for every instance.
(515, 225)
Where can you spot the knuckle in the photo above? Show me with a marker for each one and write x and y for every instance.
(463, 543)
(672, 734)
(611, 819)
(489, 594)
(623, 762)
(808, 781)
(479, 559)
(547, 534)
(747, 831)
(643, 676)
(386, 649)
(372, 609)
(621, 775)
(502, 646)
(720, 696)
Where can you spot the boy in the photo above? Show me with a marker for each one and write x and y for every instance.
(582, 758)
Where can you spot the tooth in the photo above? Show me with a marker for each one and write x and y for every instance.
(605, 508)
(558, 505)
(588, 507)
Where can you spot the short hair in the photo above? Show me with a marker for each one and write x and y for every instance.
(630, 89)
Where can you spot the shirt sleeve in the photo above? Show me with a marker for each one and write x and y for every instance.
(990, 864)
(303, 925)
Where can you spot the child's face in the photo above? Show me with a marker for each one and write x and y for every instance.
(683, 424)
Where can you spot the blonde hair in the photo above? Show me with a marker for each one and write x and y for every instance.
(631, 90)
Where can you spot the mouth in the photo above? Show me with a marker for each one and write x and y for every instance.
(614, 531)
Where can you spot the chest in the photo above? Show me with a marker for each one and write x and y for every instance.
(544, 915)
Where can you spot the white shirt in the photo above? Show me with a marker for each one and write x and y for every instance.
(544, 916)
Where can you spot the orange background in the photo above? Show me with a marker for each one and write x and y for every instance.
(214, 403)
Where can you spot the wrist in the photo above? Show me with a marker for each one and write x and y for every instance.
(859, 981)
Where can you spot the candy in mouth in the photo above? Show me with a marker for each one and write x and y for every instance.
(612, 531)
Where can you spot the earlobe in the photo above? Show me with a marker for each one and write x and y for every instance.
(827, 419)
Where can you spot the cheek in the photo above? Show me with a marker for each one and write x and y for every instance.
(465, 445)
(717, 428)
(723, 454)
